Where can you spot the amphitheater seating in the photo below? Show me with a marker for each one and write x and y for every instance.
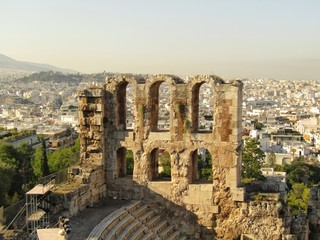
(134, 221)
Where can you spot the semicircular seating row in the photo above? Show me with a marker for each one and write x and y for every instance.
(134, 221)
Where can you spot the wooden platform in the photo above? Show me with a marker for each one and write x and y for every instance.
(49, 234)
(36, 216)
(40, 189)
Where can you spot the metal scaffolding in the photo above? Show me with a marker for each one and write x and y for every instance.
(37, 208)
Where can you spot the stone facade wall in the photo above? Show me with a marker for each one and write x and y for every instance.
(314, 212)
(204, 210)
(88, 183)
(223, 142)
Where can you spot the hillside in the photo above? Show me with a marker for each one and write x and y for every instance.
(10, 63)
(60, 77)
(51, 76)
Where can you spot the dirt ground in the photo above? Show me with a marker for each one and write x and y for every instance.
(83, 223)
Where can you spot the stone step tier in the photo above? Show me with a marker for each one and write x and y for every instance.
(134, 221)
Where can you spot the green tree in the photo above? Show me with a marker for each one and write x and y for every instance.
(272, 159)
(298, 198)
(279, 168)
(64, 157)
(252, 160)
(59, 159)
(7, 173)
(165, 163)
(8, 153)
(25, 171)
(45, 166)
(129, 162)
(299, 171)
(205, 166)
(258, 125)
(8, 166)
(272, 163)
(40, 162)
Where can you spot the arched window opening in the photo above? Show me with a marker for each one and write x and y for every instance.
(164, 107)
(121, 162)
(153, 161)
(160, 98)
(125, 162)
(160, 165)
(195, 107)
(129, 107)
(205, 111)
(201, 170)
(129, 162)
(194, 164)
(164, 165)
(121, 106)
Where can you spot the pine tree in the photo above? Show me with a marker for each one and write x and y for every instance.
(40, 162)
(252, 160)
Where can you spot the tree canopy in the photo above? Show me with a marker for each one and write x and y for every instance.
(165, 163)
(205, 166)
(298, 198)
(302, 171)
(40, 161)
(64, 157)
(21, 167)
(252, 160)
(15, 171)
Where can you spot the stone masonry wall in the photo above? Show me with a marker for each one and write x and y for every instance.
(216, 209)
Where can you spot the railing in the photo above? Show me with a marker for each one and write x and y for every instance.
(12, 214)
(56, 178)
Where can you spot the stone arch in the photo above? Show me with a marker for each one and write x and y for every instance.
(153, 164)
(197, 90)
(129, 162)
(206, 95)
(121, 105)
(130, 104)
(119, 85)
(156, 165)
(154, 104)
(200, 167)
(124, 164)
(164, 164)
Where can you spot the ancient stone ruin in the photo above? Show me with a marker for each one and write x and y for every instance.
(218, 209)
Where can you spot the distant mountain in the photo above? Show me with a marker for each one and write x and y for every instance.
(59, 77)
(9, 63)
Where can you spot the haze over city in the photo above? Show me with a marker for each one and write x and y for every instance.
(276, 39)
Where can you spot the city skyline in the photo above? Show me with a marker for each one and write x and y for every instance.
(231, 38)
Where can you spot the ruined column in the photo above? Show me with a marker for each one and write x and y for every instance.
(91, 106)
(227, 137)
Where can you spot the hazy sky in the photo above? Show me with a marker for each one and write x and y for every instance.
(230, 38)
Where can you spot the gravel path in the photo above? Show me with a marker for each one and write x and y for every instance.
(83, 223)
